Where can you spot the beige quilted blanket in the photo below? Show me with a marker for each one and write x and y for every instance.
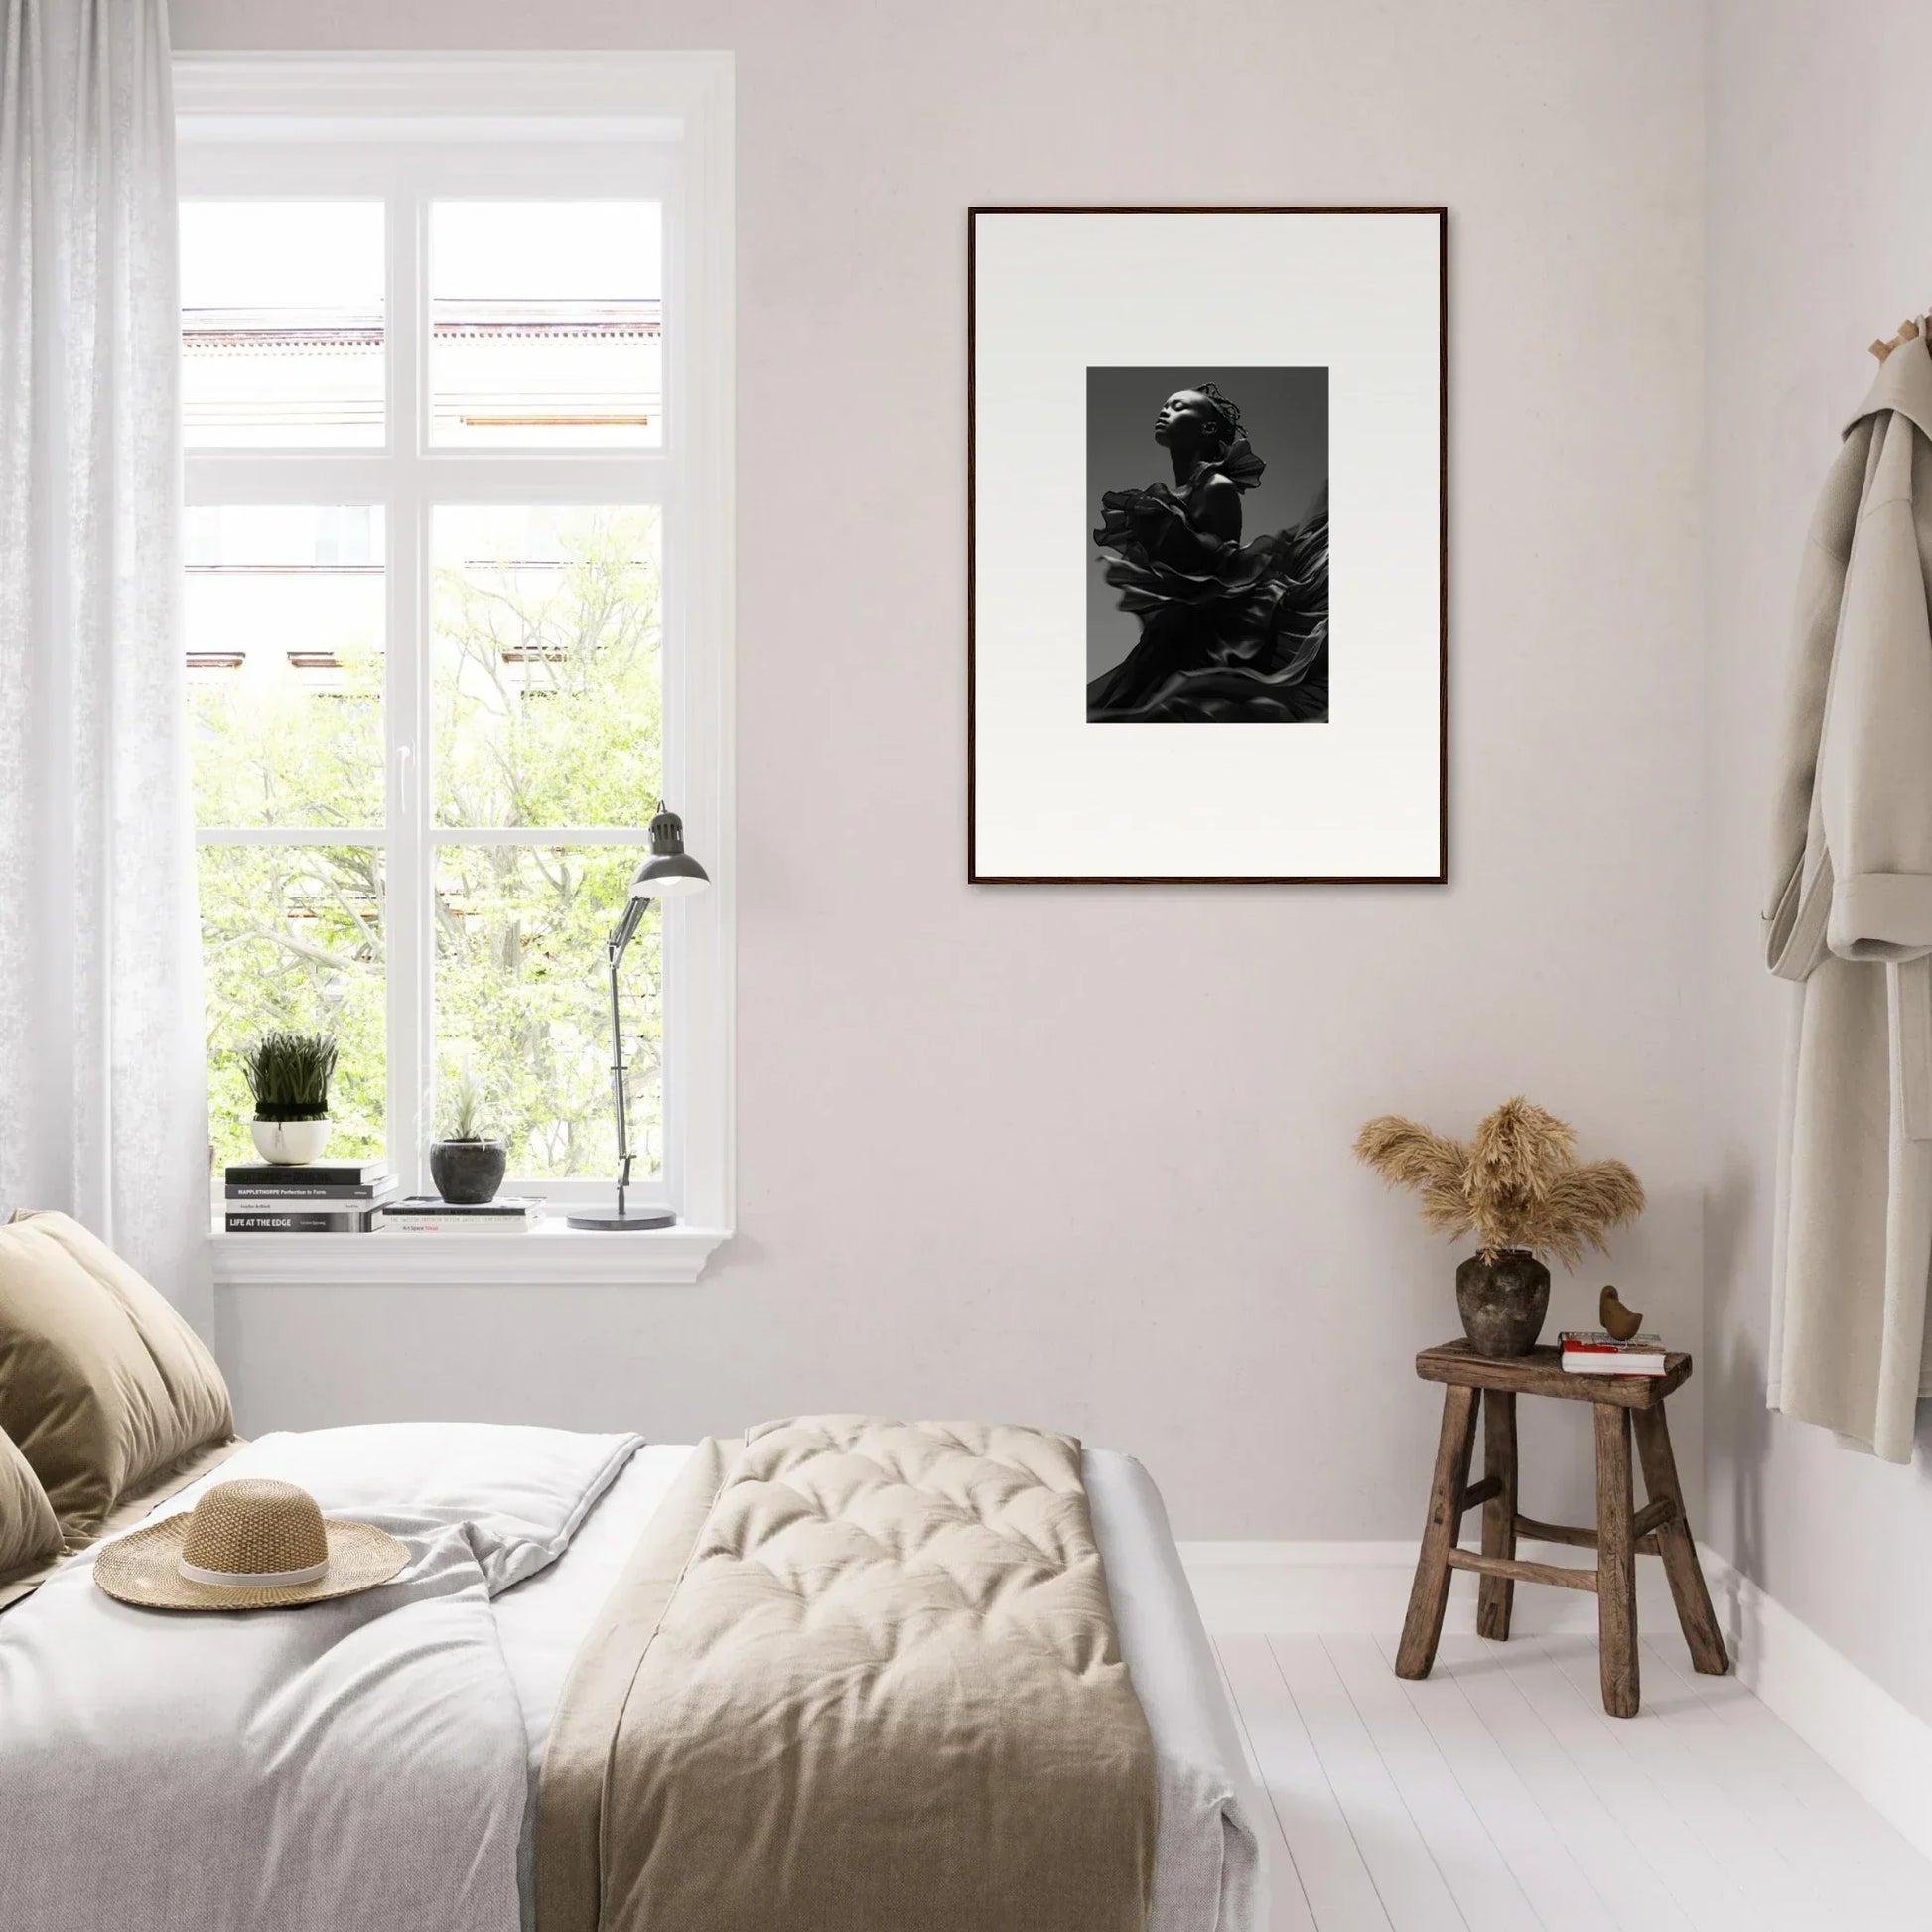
(860, 1676)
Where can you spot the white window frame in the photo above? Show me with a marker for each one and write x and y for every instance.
(404, 128)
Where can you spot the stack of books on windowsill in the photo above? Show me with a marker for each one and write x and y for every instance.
(1595, 1351)
(431, 1214)
(324, 1197)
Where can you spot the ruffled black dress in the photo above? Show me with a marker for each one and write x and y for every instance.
(1229, 633)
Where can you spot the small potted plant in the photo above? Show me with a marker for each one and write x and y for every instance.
(289, 1076)
(1520, 1190)
(467, 1163)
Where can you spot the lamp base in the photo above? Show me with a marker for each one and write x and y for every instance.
(609, 1220)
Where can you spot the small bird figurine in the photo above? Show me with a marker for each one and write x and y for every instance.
(1618, 1320)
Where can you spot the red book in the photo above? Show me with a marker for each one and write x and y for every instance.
(1590, 1352)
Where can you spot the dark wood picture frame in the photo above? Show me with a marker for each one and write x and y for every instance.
(974, 875)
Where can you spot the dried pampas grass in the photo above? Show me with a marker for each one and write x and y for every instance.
(1517, 1184)
(1431, 1165)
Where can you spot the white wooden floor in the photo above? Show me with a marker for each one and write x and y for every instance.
(1497, 1796)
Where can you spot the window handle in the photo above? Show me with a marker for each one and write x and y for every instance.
(405, 782)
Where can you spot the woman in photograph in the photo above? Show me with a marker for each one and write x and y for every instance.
(1230, 631)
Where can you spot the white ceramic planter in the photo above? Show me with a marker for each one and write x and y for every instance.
(290, 1143)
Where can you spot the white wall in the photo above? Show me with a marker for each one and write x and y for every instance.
(1820, 239)
(1080, 1156)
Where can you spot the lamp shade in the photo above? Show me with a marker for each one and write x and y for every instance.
(669, 871)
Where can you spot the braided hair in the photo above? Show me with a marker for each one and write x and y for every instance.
(1226, 412)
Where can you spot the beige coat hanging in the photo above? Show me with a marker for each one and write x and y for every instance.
(1850, 917)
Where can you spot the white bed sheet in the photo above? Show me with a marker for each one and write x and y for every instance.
(1208, 1870)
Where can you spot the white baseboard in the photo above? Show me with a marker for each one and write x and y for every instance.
(1362, 1589)
(1882, 1751)
(1879, 1746)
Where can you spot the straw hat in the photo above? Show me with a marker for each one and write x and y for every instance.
(249, 1545)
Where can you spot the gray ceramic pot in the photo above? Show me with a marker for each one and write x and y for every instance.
(1504, 1302)
(469, 1172)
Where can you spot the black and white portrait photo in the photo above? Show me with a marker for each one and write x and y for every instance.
(1208, 590)
(1167, 412)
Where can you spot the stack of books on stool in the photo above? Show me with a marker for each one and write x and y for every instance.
(324, 1197)
(431, 1214)
(1595, 1351)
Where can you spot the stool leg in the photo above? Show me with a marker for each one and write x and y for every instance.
(1422, 1629)
(1617, 1562)
(1495, 1596)
(1676, 1547)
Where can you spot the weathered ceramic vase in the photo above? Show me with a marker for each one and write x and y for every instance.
(1503, 1299)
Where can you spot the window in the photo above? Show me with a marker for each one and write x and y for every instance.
(456, 392)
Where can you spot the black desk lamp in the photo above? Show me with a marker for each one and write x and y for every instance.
(669, 872)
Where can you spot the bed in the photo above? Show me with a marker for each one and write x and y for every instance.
(521, 1621)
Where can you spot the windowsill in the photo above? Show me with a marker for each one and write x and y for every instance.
(550, 1254)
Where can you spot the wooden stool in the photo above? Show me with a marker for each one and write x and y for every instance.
(1622, 1535)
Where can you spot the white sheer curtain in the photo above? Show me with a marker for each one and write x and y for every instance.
(102, 1082)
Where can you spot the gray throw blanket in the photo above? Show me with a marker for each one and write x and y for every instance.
(861, 1676)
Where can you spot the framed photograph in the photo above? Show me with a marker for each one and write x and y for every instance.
(1206, 536)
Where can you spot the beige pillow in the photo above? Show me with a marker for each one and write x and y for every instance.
(102, 1385)
(29, 1535)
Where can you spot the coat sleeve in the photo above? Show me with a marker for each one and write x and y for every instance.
(1874, 769)
(1799, 897)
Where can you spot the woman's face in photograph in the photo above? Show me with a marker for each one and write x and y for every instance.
(1185, 417)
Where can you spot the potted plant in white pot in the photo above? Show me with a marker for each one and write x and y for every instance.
(467, 1163)
(289, 1076)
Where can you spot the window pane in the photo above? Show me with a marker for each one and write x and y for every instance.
(547, 672)
(293, 937)
(546, 323)
(523, 1002)
(281, 324)
(284, 614)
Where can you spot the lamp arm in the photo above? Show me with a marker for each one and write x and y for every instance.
(613, 950)
(622, 934)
